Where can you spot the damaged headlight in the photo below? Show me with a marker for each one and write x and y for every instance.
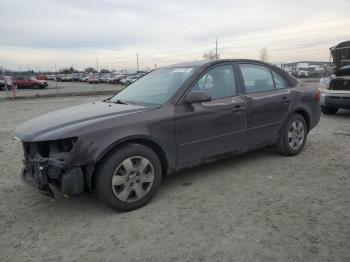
(60, 148)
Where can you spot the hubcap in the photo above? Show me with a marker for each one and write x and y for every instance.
(296, 134)
(132, 179)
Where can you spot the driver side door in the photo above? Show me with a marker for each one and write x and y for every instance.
(207, 129)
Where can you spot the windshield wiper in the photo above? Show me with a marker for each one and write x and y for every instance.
(118, 101)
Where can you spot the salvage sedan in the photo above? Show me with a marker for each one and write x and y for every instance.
(173, 118)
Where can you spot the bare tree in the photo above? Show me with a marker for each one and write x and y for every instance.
(104, 71)
(264, 55)
(210, 56)
(90, 70)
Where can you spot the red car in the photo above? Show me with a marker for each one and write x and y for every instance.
(41, 77)
(29, 82)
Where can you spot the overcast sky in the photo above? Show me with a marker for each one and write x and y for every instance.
(40, 34)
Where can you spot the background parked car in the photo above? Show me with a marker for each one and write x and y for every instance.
(41, 77)
(93, 79)
(84, 78)
(115, 79)
(2, 83)
(130, 79)
(29, 82)
(51, 77)
(67, 78)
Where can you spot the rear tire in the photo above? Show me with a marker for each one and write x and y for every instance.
(128, 177)
(329, 110)
(293, 135)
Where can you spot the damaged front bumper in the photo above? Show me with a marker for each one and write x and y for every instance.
(51, 181)
(49, 174)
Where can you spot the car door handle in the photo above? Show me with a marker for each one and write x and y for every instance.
(285, 99)
(237, 108)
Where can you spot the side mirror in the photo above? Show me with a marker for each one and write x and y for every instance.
(197, 97)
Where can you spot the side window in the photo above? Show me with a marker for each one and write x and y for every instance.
(219, 82)
(279, 81)
(256, 78)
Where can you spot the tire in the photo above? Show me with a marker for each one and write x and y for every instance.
(35, 86)
(124, 167)
(290, 143)
(329, 110)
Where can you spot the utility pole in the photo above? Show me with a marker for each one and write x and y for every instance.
(56, 80)
(137, 61)
(97, 65)
(216, 48)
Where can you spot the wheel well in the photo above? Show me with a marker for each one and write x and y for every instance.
(143, 141)
(305, 115)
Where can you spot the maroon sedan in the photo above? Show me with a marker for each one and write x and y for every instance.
(173, 118)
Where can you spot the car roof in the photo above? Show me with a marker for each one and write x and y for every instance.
(292, 81)
(212, 62)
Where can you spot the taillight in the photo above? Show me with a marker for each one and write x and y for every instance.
(318, 95)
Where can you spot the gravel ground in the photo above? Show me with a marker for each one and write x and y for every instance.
(256, 207)
(64, 88)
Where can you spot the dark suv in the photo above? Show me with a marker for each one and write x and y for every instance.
(170, 119)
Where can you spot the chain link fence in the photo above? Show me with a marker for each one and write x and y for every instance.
(8, 89)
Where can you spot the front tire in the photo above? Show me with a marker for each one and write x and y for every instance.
(329, 110)
(128, 177)
(293, 135)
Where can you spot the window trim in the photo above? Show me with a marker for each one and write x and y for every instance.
(284, 81)
(235, 73)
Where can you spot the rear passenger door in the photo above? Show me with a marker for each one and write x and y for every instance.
(268, 102)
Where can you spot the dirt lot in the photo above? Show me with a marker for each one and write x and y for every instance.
(256, 207)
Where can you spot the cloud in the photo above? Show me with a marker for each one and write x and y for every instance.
(45, 32)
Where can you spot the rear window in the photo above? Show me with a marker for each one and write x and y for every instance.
(256, 78)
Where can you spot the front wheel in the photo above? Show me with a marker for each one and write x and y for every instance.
(293, 135)
(128, 177)
(329, 110)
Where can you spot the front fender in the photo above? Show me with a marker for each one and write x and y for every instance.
(91, 147)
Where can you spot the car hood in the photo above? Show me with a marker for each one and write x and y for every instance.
(73, 118)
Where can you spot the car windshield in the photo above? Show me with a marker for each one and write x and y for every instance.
(156, 87)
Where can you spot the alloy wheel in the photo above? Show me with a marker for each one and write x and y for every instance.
(296, 134)
(132, 179)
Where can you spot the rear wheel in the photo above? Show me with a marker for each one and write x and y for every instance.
(293, 135)
(329, 110)
(128, 177)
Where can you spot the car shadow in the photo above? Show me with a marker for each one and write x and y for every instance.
(199, 172)
(90, 204)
